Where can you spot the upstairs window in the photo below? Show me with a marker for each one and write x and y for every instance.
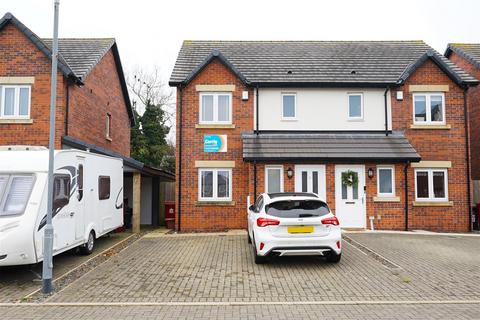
(216, 108)
(355, 106)
(429, 108)
(15, 102)
(289, 106)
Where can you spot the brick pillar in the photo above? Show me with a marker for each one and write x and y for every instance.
(137, 179)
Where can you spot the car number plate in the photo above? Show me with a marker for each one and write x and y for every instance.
(300, 229)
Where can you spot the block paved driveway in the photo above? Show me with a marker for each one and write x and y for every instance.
(220, 268)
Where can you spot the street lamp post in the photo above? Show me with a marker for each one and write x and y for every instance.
(47, 271)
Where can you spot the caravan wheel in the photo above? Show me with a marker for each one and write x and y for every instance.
(89, 246)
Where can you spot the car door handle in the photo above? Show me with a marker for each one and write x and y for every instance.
(72, 214)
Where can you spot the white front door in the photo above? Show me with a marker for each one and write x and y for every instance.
(311, 178)
(350, 206)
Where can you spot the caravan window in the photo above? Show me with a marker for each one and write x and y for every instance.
(16, 190)
(80, 181)
(103, 187)
(61, 191)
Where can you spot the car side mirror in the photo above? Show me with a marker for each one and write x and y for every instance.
(251, 208)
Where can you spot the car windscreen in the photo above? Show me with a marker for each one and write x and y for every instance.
(297, 209)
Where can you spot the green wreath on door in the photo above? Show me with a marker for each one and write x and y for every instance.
(349, 178)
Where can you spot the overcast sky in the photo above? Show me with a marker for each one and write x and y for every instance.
(150, 32)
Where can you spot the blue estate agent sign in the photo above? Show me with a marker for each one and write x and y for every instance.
(215, 143)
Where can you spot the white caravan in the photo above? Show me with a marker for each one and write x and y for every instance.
(87, 201)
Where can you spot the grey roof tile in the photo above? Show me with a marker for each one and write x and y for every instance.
(336, 62)
(327, 147)
(82, 54)
(470, 51)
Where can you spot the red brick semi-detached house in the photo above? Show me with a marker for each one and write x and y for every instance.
(467, 57)
(93, 106)
(377, 129)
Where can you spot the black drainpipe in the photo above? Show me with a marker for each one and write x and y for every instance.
(67, 107)
(386, 111)
(467, 142)
(255, 161)
(406, 194)
(180, 160)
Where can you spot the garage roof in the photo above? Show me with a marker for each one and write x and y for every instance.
(336, 147)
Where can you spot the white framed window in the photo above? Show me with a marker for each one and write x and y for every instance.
(386, 181)
(355, 106)
(15, 101)
(108, 126)
(289, 106)
(431, 184)
(215, 184)
(429, 108)
(216, 108)
(273, 179)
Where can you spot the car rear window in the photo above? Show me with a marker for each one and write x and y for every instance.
(297, 209)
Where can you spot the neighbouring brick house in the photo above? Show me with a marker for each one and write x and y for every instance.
(93, 106)
(375, 128)
(467, 57)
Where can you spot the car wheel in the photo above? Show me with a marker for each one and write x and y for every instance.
(89, 246)
(332, 257)
(258, 259)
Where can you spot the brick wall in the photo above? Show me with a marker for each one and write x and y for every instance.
(19, 57)
(474, 113)
(90, 103)
(196, 217)
(437, 145)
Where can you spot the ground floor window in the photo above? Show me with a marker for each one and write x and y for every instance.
(273, 179)
(385, 181)
(431, 184)
(215, 184)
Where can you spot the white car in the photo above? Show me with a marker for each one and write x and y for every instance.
(284, 224)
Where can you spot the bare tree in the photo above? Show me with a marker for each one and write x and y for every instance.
(148, 86)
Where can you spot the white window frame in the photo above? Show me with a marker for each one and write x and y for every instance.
(275, 167)
(360, 118)
(16, 106)
(215, 107)
(431, 197)
(388, 194)
(428, 95)
(215, 185)
(294, 118)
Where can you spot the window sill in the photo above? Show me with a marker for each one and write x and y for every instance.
(386, 199)
(355, 120)
(16, 121)
(431, 126)
(214, 126)
(433, 203)
(215, 203)
(289, 119)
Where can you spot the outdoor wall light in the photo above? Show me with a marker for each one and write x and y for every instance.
(370, 173)
(289, 173)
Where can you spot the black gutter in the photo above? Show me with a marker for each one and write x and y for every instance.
(357, 159)
(406, 194)
(467, 141)
(179, 171)
(254, 180)
(386, 111)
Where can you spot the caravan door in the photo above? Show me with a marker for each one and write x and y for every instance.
(79, 200)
